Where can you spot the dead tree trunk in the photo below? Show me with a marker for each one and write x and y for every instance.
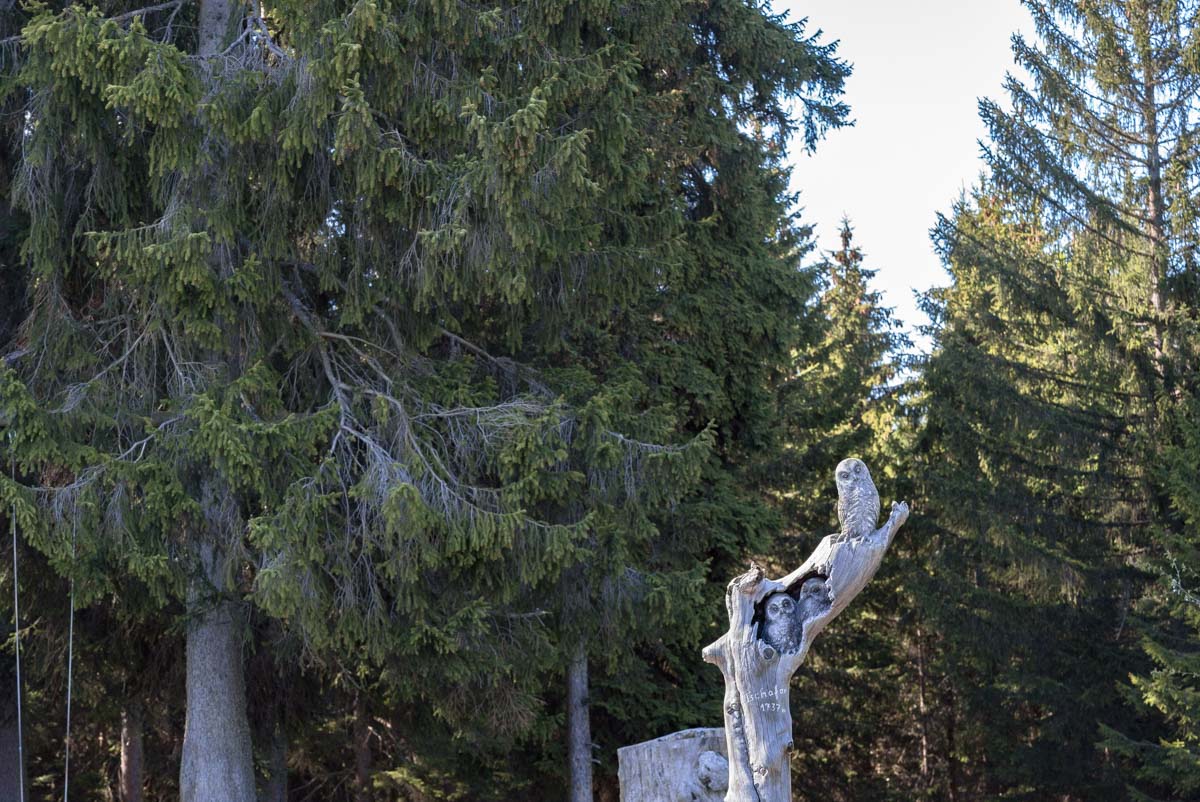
(772, 625)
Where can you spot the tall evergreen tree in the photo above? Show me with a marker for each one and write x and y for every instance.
(1164, 759)
(839, 399)
(244, 365)
(372, 315)
(1060, 354)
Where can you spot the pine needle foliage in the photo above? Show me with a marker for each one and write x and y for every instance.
(439, 332)
(1061, 353)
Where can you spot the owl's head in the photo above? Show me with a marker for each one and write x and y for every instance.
(814, 588)
(813, 598)
(780, 606)
(851, 472)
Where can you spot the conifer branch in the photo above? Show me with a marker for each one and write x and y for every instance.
(123, 17)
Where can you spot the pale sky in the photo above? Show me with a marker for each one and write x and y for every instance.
(919, 69)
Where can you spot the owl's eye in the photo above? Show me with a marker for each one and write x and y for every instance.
(843, 475)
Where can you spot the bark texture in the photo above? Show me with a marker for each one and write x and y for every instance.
(132, 755)
(579, 728)
(217, 759)
(215, 19)
(758, 721)
(687, 766)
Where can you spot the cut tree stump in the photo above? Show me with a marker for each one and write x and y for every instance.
(686, 766)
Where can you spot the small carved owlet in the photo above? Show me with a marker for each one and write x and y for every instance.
(814, 599)
(858, 500)
(781, 627)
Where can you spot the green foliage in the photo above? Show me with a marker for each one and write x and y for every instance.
(1164, 763)
(840, 397)
(453, 329)
(1059, 357)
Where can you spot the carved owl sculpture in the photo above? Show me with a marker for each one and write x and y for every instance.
(814, 599)
(858, 500)
(781, 628)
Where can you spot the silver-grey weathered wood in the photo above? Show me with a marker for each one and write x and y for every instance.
(687, 766)
(772, 625)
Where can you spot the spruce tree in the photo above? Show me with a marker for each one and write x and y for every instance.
(253, 264)
(375, 319)
(1059, 358)
(839, 399)
(1163, 758)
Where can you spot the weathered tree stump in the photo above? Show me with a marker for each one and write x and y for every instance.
(772, 625)
(686, 766)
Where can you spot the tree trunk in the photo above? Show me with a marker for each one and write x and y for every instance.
(12, 774)
(274, 781)
(1156, 213)
(362, 751)
(758, 666)
(951, 750)
(132, 756)
(215, 18)
(922, 709)
(275, 788)
(579, 728)
(217, 761)
(217, 756)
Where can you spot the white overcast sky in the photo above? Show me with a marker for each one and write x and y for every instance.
(919, 69)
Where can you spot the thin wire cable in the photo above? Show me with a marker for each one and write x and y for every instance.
(17, 637)
(70, 659)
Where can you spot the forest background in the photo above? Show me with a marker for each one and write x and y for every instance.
(389, 390)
